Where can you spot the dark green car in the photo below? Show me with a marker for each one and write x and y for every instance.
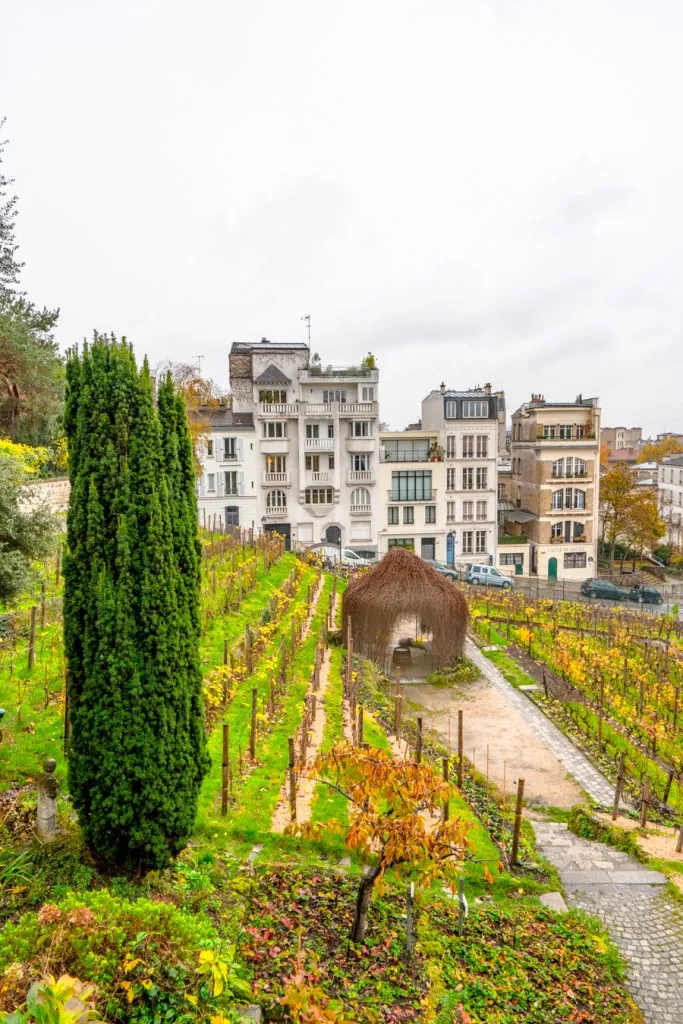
(645, 595)
(604, 590)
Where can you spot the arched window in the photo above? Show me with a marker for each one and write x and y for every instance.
(558, 468)
(579, 467)
(318, 496)
(579, 498)
(276, 499)
(558, 498)
(232, 515)
(361, 496)
(557, 531)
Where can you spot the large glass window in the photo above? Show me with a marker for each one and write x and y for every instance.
(360, 428)
(475, 410)
(334, 395)
(558, 499)
(549, 432)
(480, 541)
(510, 559)
(410, 449)
(558, 468)
(408, 515)
(276, 464)
(467, 542)
(229, 448)
(275, 428)
(318, 496)
(482, 510)
(468, 511)
(482, 478)
(276, 499)
(271, 397)
(467, 479)
(360, 496)
(393, 515)
(575, 560)
(360, 463)
(232, 515)
(482, 446)
(565, 432)
(411, 485)
(312, 430)
(430, 513)
(468, 446)
(312, 462)
(401, 542)
(231, 483)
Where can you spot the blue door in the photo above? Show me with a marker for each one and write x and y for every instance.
(450, 549)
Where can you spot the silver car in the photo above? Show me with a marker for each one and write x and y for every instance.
(487, 576)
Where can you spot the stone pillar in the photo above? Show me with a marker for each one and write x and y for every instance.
(46, 825)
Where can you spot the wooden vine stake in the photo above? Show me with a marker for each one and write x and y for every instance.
(418, 745)
(42, 605)
(444, 765)
(460, 751)
(225, 769)
(518, 822)
(621, 775)
(359, 729)
(644, 801)
(252, 734)
(32, 638)
(292, 780)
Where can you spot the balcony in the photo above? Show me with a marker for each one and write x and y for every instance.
(228, 457)
(369, 409)
(431, 496)
(275, 445)
(318, 444)
(569, 476)
(360, 510)
(276, 512)
(361, 444)
(277, 410)
(571, 540)
(360, 476)
(317, 409)
(276, 479)
(317, 372)
(570, 434)
(320, 477)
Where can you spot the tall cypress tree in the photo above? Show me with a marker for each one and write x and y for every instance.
(131, 612)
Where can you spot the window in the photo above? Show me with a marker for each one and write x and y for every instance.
(318, 496)
(360, 496)
(331, 462)
(209, 448)
(312, 431)
(467, 511)
(276, 464)
(401, 542)
(410, 449)
(565, 432)
(467, 479)
(408, 514)
(482, 478)
(579, 530)
(229, 448)
(411, 485)
(509, 559)
(276, 499)
(335, 395)
(451, 410)
(393, 515)
(467, 540)
(480, 538)
(211, 482)
(575, 560)
(231, 483)
(558, 468)
(579, 467)
(450, 479)
(557, 531)
(367, 393)
(501, 492)
(468, 446)
(360, 463)
(482, 510)
(270, 397)
(313, 463)
(430, 513)
(558, 499)
(475, 410)
(330, 429)
(579, 498)
(450, 511)
(232, 515)
(275, 428)
(482, 446)
(548, 432)
(360, 428)
(450, 446)
(580, 432)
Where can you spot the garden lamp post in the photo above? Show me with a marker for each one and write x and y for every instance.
(2, 715)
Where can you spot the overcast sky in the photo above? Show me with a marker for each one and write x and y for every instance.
(474, 190)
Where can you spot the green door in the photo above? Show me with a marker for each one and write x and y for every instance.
(518, 568)
(552, 568)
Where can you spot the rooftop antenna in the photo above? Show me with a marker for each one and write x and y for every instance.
(307, 318)
(199, 365)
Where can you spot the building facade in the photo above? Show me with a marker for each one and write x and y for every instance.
(316, 443)
(411, 489)
(227, 487)
(555, 450)
(670, 493)
(620, 438)
(471, 433)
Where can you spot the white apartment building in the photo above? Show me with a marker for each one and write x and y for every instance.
(228, 486)
(670, 491)
(412, 477)
(316, 443)
(470, 428)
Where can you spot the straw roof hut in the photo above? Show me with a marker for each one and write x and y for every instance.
(401, 586)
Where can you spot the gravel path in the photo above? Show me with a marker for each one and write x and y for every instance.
(643, 920)
(576, 763)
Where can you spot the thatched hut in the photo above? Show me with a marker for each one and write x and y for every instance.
(401, 586)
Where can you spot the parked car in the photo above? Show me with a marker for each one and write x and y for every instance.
(449, 571)
(645, 595)
(605, 590)
(487, 575)
(330, 553)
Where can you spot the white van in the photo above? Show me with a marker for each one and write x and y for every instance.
(330, 553)
(486, 575)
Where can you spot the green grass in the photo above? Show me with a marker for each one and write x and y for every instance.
(510, 669)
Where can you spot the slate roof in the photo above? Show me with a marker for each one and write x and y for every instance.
(272, 375)
(220, 417)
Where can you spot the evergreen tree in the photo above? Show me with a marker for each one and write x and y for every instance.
(131, 612)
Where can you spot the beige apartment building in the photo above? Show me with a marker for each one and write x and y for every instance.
(412, 477)
(555, 453)
(620, 438)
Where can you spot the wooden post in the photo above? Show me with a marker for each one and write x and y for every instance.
(247, 651)
(292, 780)
(602, 699)
(621, 774)
(398, 701)
(667, 788)
(225, 651)
(225, 769)
(42, 605)
(359, 730)
(644, 801)
(444, 765)
(252, 735)
(418, 745)
(679, 842)
(32, 638)
(460, 751)
(518, 821)
(58, 564)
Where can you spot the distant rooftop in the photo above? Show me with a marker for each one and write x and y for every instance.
(272, 375)
(251, 346)
(674, 460)
(219, 416)
(539, 402)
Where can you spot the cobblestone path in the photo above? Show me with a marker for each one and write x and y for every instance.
(643, 920)
(576, 763)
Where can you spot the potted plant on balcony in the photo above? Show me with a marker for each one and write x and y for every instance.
(435, 453)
